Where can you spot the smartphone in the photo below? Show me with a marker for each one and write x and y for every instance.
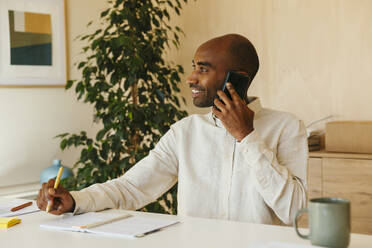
(239, 81)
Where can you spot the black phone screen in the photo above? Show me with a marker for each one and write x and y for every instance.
(239, 81)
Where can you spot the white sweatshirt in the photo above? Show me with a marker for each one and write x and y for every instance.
(261, 179)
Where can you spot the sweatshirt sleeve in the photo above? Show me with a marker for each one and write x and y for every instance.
(142, 184)
(280, 175)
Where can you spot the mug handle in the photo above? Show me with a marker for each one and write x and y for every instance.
(299, 212)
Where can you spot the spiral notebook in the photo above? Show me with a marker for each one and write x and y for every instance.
(121, 226)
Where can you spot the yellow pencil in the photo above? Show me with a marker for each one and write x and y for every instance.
(55, 187)
(99, 223)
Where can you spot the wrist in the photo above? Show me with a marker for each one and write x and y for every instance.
(72, 208)
(244, 134)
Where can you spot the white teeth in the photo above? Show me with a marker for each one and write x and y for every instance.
(195, 91)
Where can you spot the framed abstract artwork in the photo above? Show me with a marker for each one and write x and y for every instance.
(32, 43)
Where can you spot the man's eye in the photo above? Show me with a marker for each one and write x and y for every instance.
(203, 69)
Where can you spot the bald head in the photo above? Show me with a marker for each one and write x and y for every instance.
(213, 59)
(235, 51)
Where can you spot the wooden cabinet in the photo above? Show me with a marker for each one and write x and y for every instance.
(314, 178)
(347, 176)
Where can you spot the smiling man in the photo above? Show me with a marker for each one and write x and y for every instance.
(239, 162)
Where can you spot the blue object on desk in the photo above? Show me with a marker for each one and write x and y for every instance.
(52, 171)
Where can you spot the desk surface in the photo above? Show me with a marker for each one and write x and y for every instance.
(191, 232)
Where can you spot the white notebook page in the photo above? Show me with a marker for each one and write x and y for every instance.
(7, 204)
(133, 226)
(128, 227)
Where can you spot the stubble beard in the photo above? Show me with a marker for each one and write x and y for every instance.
(203, 103)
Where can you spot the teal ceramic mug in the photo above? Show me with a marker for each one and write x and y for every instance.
(329, 222)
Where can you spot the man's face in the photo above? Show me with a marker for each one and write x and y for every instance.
(208, 75)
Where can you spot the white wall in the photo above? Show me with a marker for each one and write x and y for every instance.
(31, 117)
(315, 61)
(316, 55)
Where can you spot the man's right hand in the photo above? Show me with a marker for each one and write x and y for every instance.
(60, 198)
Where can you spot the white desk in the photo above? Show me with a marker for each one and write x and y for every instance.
(191, 232)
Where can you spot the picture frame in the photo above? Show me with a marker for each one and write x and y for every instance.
(33, 43)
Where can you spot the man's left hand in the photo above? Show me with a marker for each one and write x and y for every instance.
(234, 114)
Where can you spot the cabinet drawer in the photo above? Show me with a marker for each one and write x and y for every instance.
(314, 178)
(351, 179)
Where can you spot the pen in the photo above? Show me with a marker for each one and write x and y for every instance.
(155, 230)
(21, 206)
(55, 187)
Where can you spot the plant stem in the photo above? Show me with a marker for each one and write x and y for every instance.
(134, 136)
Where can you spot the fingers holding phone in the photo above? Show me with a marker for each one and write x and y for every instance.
(231, 108)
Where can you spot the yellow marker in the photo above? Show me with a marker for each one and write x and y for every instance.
(55, 187)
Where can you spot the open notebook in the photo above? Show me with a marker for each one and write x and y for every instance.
(8, 204)
(130, 227)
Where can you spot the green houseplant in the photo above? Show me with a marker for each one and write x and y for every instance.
(133, 91)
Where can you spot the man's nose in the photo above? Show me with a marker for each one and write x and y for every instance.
(192, 78)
